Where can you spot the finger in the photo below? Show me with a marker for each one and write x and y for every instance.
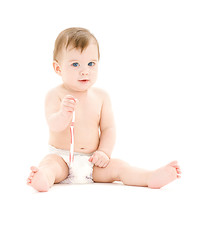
(101, 164)
(68, 109)
(98, 163)
(68, 102)
(90, 159)
(105, 165)
(69, 97)
(68, 106)
(95, 159)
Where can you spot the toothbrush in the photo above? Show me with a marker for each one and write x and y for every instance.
(71, 154)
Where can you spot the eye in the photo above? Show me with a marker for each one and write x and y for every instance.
(91, 64)
(75, 64)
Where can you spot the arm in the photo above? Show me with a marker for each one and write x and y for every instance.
(58, 113)
(107, 127)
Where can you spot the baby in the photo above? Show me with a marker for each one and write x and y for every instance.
(76, 57)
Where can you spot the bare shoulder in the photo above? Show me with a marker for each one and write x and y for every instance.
(54, 93)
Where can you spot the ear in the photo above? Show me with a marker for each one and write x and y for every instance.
(56, 67)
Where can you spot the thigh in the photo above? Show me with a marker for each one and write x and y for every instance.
(58, 166)
(110, 173)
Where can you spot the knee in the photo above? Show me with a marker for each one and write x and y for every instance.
(56, 166)
(52, 159)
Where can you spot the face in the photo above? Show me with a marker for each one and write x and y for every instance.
(79, 70)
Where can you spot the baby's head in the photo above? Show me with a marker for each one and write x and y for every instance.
(78, 38)
(75, 58)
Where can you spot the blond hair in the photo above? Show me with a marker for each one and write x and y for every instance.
(78, 38)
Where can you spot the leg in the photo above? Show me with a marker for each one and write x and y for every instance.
(118, 170)
(52, 169)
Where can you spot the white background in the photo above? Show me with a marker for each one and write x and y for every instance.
(150, 58)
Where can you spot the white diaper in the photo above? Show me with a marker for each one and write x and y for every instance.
(81, 169)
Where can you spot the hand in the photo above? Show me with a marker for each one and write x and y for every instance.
(68, 105)
(100, 159)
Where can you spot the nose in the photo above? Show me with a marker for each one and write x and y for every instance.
(84, 73)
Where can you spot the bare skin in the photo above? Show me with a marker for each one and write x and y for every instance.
(117, 170)
(94, 129)
(87, 119)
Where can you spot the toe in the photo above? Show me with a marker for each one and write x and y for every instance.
(34, 169)
(178, 168)
(28, 181)
(174, 163)
(31, 175)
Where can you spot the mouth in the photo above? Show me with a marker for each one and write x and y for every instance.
(84, 81)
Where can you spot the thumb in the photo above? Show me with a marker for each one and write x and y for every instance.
(90, 159)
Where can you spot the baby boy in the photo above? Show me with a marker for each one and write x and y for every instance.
(76, 57)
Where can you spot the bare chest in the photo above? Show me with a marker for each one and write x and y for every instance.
(86, 126)
(87, 111)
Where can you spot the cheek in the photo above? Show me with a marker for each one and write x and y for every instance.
(71, 73)
(94, 71)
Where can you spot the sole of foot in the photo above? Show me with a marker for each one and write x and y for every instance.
(38, 180)
(164, 175)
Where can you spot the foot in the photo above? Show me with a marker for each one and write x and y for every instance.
(164, 175)
(38, 180)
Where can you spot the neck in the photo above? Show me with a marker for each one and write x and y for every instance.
(77, 94)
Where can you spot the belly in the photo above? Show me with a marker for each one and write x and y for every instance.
(86, 140)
